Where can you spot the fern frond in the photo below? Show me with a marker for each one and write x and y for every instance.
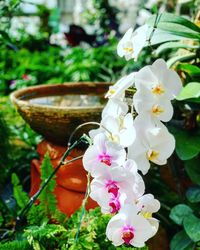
(46, 236)
(16, 245)
(20, 196)
(47, 198)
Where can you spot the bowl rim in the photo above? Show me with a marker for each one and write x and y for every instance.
(15, 96)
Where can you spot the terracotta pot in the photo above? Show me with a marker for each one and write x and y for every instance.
(71, 180)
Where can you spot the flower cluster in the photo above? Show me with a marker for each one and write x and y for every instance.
(124, 146)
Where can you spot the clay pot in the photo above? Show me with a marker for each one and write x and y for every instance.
(71, 180)
(57, 122)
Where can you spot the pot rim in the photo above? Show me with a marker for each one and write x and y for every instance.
(39, 89)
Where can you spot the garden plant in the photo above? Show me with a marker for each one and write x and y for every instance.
(142, 159)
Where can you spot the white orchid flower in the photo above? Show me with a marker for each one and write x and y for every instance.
(132, 43)
(119, 130)
(153, 143)
(159, 80)
(145, 102)
(147, 205)
(116, 182)
(118, 89)
(103, 154)
(129, 227)
(115, 108)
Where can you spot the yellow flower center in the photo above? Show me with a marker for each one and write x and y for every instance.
(152, 155)
(113, 138)
(111, 92)
(146, 215)
(128, 49)
(156, 110)
(158, 90)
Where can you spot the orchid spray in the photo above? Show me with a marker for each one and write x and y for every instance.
(125, 145)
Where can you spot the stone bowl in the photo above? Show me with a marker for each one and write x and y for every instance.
(54, 111)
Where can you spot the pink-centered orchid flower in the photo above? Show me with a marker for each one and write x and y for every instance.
(115, 182)
(109, 203)
(128, 227)
(103, 154)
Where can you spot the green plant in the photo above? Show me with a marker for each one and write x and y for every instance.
(186, 126)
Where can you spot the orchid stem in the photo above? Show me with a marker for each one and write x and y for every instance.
(85, 124)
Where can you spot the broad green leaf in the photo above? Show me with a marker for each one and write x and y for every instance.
(181, 58)
(193, 170)
(194, 100)
(173, 45)
(165, 19)
(192, 227)
(179, 212)
(179, 30)
(187, 144)
(181, 241)
(189, 68)
(193, 194)
(191, 90)
(161, 36)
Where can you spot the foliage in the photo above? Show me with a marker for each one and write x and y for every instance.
(20, 196)
(102, 16)
(47, 199)
(52, 236)
(4, 146)
(16, 245)
(26, 68)
(177, 42)
(187, 112)
(46, 210)
(8, 9)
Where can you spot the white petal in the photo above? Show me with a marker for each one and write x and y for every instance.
(139, 40)
(115, 108)
(143, 230)
(147, 203)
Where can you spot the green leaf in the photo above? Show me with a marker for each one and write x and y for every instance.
(191, 90)
(175, 24)
(187, 144)
(173, 45)
(161, 36)
(190, 69)
(179, 212)
(47, 198)
(181, 58)
(20, 196)
(192, 227)
(193, 194)
(193, 170)
(181, 241)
